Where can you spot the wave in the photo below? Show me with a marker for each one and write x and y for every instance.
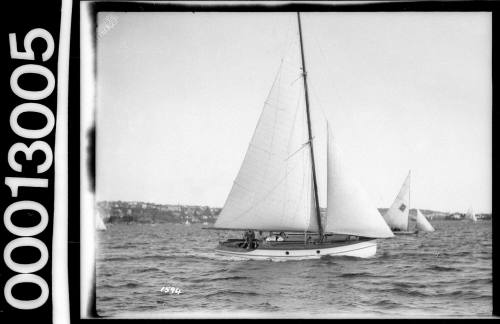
(456, 254)
(125, 285)
(484, 281)
(149, 269)
(409, 285)
(118, 247)
(384, 254)
(333, 259)
(219, 279)
(471, 294)
(443, 268)
(146, 257)
(268, 307)
(386, 303)
(232, 293)
(145, 307)
(359, 274)
(406, 292)
(115, 259)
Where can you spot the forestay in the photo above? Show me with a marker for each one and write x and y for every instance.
(272, 190)
(349, 210)
(397, 215)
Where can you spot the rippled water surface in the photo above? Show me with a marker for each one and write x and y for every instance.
(445, 273)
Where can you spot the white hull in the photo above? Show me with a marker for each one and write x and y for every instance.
(363, 249)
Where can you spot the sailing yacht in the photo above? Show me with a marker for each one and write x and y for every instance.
(397, 216)
(276, 189)
(471, 215)
(99, 224)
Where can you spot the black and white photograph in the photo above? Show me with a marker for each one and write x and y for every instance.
(286, 164)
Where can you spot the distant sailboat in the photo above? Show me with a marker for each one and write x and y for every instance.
(276, 188)
(471, 215)
(99, 224)
(397, 216)
(422, 223)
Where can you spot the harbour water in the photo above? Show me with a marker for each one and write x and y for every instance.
(444, 273)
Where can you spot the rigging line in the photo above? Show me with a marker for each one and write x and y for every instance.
(316, 97)
(311, 206)
(301, 147)
(292, 130)
(276, 77)
(261, 149)
(308, 198)
(274, 106)
(338, 94)
(273, 133)
(312, 87)
(276, 117)
(241, 186)
(286, 202)
(300, 77)
(296, 201)
(289, 42)
(288, 38)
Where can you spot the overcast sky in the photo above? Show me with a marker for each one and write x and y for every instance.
(179, 95)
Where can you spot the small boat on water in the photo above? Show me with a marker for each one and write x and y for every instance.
(276, 189)
(99, 223)
(471, 215)
(397, 216)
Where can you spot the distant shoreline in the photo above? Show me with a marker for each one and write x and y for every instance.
(144, 212)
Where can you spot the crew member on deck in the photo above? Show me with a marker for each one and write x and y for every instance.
(246, 238)
(276, 237)
(252, 240)
(249, 238)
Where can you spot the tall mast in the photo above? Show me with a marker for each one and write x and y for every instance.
(315, 185)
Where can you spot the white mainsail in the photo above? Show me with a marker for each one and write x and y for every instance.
(471, 215)
(272, 190)
(397, 215)
(349, 211)
(99, 224)
(422, 223)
